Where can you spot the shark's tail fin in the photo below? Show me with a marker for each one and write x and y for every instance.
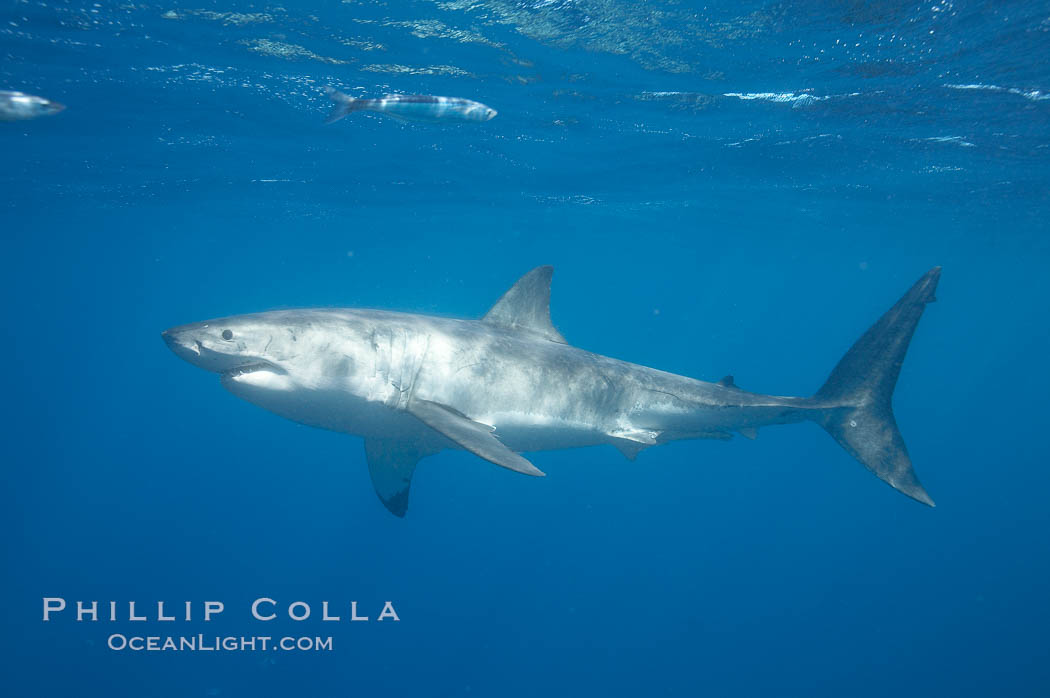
(859, 392)
(344, 104)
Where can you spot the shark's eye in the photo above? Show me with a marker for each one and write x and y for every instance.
(227, 335)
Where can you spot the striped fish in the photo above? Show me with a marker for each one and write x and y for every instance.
(422, 108)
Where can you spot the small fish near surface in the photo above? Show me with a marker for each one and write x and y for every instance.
(18, 106)
(413, 385)
(420, 108)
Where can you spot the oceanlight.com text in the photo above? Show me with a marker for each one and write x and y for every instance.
(216, 643)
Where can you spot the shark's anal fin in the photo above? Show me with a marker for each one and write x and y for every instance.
(527, 306)
(391, 463)
(473, 436)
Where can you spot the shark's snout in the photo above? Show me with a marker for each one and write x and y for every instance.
(184, 344)
(203, 345)
(219, 346)
(170, 338)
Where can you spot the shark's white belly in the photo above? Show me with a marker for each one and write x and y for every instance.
(328, 407)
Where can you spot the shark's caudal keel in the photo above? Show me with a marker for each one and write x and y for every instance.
(413, 385)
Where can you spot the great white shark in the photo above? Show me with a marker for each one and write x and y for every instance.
(413, 385)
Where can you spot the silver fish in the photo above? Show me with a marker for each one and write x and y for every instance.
(420, 108)
(18, 106)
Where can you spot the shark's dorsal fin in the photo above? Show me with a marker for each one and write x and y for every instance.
(527, 306)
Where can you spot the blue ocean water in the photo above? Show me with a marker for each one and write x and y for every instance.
(723, 188)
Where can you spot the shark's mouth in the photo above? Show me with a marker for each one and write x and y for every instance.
(255, 377)
(248, 369)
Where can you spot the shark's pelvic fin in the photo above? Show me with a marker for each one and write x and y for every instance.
(630, 442)
(857, 397)
(473, 436)
(629, 449)
(643, 437)
(391, 463)
(527, 306)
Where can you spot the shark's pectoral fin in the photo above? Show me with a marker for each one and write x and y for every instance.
(391, 463)
(748, 432)
(473, 436)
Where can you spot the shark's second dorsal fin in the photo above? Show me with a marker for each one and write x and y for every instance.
(527, 306)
